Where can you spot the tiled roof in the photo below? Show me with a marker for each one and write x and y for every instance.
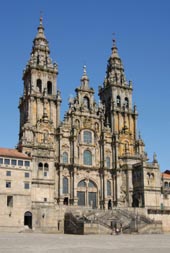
(165, 175)
(7, 152)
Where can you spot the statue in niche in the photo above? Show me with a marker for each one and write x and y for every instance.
(86, 102)
(46, 137)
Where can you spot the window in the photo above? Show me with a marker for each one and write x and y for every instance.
(7, 161)
(49, 88)
(26, 185)
(40, 166)
(20, 162)
(65, 185)
(118, 101)
(45, 199)
(91, 184)
(8, 173)
(126, 102)
(1, 161)
(87, 157)
(27, 163)
(87, 137)
(8, 184)
(10, 201)
(45, 173)
(14, 162)
(27, 174)
(108, 162)
(65, 157)
(166, 184)
(108, 188)
(46, 166)
(39, 85)
(82, 183)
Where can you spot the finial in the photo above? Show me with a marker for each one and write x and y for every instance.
(114, 40)
(84, 70)
(114, 48)
(41, 17)
(155, 158)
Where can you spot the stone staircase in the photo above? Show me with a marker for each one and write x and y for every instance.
(94, 221)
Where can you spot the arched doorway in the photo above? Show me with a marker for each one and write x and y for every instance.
(28, 219)
(87, 193)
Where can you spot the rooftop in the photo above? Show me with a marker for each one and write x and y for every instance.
(7, 152)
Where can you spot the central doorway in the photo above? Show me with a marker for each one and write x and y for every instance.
(87, 193)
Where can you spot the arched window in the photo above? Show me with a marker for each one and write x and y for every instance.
(108, 188)
(40, 166)
(39, 85)
(82, 183)
(65, 157)
(86, 102)
(87, 137)
(91, 184)
(126, 102)
(49, 88)
(108, 162)
(152, 176)
(87, 157)
(118, 101)
(65, 185)
(46, 166)
(166, 184)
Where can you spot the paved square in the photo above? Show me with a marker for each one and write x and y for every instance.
(30, 242)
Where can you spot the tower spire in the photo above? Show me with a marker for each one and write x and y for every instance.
(115, 71)
(40, 29)
(114, 50)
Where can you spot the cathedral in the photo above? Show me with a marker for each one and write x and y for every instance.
(93, 158)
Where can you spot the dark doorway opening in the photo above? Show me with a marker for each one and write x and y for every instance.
(109, 204)
(28, 219)
(65, 201)
(135, 201)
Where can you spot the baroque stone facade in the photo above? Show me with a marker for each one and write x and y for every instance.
(93, 158)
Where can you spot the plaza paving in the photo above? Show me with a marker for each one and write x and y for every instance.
(31, 242)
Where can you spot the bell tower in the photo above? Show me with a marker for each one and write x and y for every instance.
(116, 95)
(40, 104)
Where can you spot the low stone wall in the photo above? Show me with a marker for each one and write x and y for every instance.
(96, 229)
(151, 229)
(164, 218)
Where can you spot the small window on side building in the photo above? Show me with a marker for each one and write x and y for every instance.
(27, 174)
(8, 173)
(27, 163)
(7, 161)
(14, 162)
(26, 185)
(20, 162)
(8, 184)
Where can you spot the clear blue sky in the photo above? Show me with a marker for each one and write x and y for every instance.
(80, 32)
